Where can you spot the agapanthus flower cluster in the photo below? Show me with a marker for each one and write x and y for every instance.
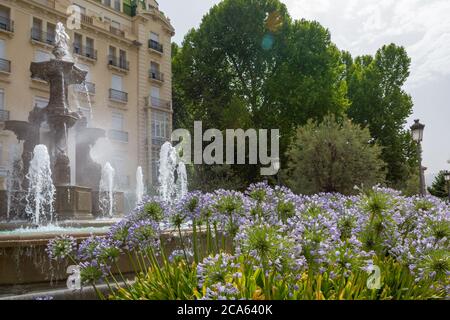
(275, 230)
(61, 247)
(221, 268)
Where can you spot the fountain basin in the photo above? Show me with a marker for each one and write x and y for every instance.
(25, 266)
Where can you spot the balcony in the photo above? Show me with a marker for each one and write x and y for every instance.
(118, 135)
(85, 52)
(118, 63)
(42, 37)
(86, 19)
(117, 95)
(156, 75)
(116, 31)
(158, 103)
(6, 25)
(155, 45)
(4, 115)
(48, 3)
(87, 87)
(5, 65)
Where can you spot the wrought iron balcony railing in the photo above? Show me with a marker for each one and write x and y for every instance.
(156, 75)
(87, 52)
(4, 115)
(158, 103)
(5, 65)
(155, 45)
(118, 63)
(6, 24)
(42, 36)
(87, 19)
(118, 95)
(118, 135)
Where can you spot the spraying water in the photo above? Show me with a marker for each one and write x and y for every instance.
(106, 192)
(41, 191)
(182, 180)
(139, 185)
(172, 187)
(14, 191)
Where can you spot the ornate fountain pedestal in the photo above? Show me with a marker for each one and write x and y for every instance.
(75, 199)
(74, 203)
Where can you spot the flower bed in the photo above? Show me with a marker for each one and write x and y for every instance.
(269, 243)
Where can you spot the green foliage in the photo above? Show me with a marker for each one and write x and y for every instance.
(249, 65)
(332, 156)
(153, 210)
(439, 188)
(172, 281)
(378, 102)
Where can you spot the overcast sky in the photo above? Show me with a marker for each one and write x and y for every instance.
(363, 26)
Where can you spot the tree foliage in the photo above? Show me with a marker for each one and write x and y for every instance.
(333, 156)
(439, 188)
(378, 102)
(248, 65)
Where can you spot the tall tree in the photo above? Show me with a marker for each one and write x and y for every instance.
(249, 65)
(378, 101)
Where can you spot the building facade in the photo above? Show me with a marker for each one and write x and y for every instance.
(126, 50)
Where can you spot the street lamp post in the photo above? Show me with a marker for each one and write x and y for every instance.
(447, 179)
(417, 135)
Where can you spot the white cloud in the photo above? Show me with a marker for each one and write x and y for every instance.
(362, 26)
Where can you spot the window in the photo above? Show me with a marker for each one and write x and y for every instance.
(117, 5)
(122, 55)
(77, 43)
(155, 92)
(90, 47)
(2, 49)
(51, 33)
(160, 127)
(107, 3)
(112, 52)
(154, 67)
(154, 37)
(2, 99)
(37, 29)
(40, 56)
(116, 82)
(117, 121)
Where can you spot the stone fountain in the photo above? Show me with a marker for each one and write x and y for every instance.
(74, 199)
